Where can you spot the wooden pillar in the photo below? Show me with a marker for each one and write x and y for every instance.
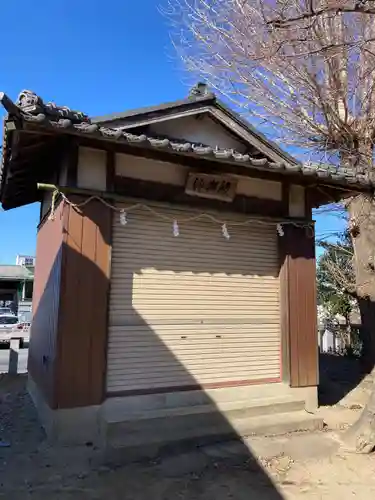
(46, 298)
(83, 308)
(298, 302)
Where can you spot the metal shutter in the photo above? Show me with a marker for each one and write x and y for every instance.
(196, 309)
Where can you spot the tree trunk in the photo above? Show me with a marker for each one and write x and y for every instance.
(367, 334)
(348, 332)
(362, 227)
(361, 436)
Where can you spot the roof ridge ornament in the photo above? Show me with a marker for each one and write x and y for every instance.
(30, 103)
(200, 89)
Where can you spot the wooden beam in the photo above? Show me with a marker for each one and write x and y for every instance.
(30, 149)
(268, 149)
(309, 202)
(285, 189)
(111, 170)
(72, 162)
(9, 105)
(128, 190)
(169, 193)
(190, 159)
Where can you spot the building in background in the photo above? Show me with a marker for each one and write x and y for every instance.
(336, 332)
(16, 286)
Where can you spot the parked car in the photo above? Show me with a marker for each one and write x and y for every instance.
(24, 325)
(6, 311)
(25, 333)
(8, 325)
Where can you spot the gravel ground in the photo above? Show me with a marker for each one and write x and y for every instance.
(31, 468)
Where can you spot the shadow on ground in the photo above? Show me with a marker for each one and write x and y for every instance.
(339, 375)
(30, 466)
(82, 472)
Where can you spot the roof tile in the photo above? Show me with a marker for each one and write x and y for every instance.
(34, 110)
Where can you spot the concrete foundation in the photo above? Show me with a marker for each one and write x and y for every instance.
(159, 419)
(67, 426)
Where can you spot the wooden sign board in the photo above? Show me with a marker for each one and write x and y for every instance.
(217, 187)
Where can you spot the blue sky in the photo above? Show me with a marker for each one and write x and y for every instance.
(97, 57)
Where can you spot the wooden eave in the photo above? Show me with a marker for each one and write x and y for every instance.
(37, 136)
(35, 158)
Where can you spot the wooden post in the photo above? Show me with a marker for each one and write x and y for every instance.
(298, 305)
(83, 306)
(13, 356)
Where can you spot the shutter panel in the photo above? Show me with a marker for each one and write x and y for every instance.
(195, 309)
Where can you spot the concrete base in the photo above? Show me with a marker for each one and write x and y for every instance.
(309, 395)
(67, 426)
(161, 419)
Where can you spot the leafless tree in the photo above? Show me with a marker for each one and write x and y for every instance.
(304, 70)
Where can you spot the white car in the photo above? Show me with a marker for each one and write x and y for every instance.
(6, 311)
(8, 328)
(23, 332)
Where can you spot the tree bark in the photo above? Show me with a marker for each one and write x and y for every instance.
(348, 331)
(367, 334)
(361, 436)
(362, 227)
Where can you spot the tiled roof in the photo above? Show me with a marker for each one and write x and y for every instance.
(31, 109)
(15, 273)
(131, 114)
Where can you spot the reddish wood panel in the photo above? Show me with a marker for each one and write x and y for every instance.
(83, 329)
(298, 307)
(44, 330)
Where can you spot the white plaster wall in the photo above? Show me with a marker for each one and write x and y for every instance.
(259, 188)
(150, 170)
(328, 341)
(297, 201)
(199, 130)
(63, 177)
(92, 172)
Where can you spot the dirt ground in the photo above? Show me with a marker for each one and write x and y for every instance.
(308, 465)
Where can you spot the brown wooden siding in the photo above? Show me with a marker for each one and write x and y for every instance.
(285, 311)
(42, 350)
(83, 309)
(298, 307)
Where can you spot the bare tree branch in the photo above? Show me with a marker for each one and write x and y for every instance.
(358, 7)
(310, 79)
(306, 69)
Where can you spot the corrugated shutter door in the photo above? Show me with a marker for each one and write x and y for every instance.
(196, 309)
